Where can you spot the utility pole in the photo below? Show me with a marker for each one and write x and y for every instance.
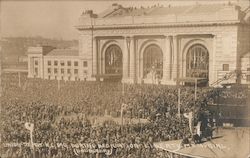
(1, 90)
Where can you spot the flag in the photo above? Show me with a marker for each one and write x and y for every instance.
(29, 126)
(198, 128)
(189, 116)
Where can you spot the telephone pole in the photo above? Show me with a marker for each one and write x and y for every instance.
(1, 90)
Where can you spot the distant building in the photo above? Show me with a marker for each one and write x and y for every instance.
(61, 64)
(153, 45)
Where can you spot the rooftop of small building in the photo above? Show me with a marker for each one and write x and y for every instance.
(63, 52)
(52, 51)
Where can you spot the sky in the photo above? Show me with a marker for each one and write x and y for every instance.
(56, 19)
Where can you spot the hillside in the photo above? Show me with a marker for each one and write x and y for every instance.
(14, 47)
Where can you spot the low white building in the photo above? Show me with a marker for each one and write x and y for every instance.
(61, 64)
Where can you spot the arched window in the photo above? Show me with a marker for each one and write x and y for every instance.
(153, 62)
(113, 60)
(197, 61)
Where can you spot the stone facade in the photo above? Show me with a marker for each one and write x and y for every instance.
(221, 30)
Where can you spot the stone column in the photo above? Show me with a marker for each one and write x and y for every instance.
(94, 60)
(213, 72)
(132, 60)
(41, 66)
(101, 56)
(125, 59)
(30, 67)
(175, 59)
(137, 63)
(166, 61)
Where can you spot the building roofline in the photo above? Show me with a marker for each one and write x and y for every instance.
(181, 24)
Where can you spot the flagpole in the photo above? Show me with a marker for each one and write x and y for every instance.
(32, 144)
(0, 87)
(179, 102)
(179, 99)
(30, 127)
(0, 73)
(122, 117)
(19, 79)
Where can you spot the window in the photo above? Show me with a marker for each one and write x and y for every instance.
(113, 60)
(49, 62)
(49, 70)
(62, 71)
(225, 67)
(197, 62)
(75, 63)
(55, 63)
(85, 64)
(248, 78)
(55, 70)
(62, 63)
(68, 71)
(75, 71)
(152, 62)
(36, 62)
(69, 63)
(36, 71)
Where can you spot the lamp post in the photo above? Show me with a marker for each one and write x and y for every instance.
(0, 72)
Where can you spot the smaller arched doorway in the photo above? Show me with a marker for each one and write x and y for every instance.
(197, 62)
(113, 61)
(152, 62)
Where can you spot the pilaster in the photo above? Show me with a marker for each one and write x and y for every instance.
(166, 61)
(94, 60)
(175, 58)
(125, 59)
(132, 60)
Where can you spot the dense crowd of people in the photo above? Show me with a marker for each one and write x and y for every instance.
(61, 112)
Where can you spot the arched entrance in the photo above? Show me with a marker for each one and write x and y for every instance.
(113, 61)
(152, 62)
(197, 62)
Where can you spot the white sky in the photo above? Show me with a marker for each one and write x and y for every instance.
(56, 19)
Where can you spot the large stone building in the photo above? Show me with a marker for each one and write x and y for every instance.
(153, 45)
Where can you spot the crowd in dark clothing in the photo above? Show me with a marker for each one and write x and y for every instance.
(60, 112)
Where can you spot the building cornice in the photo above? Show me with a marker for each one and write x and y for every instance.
(133, 26)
